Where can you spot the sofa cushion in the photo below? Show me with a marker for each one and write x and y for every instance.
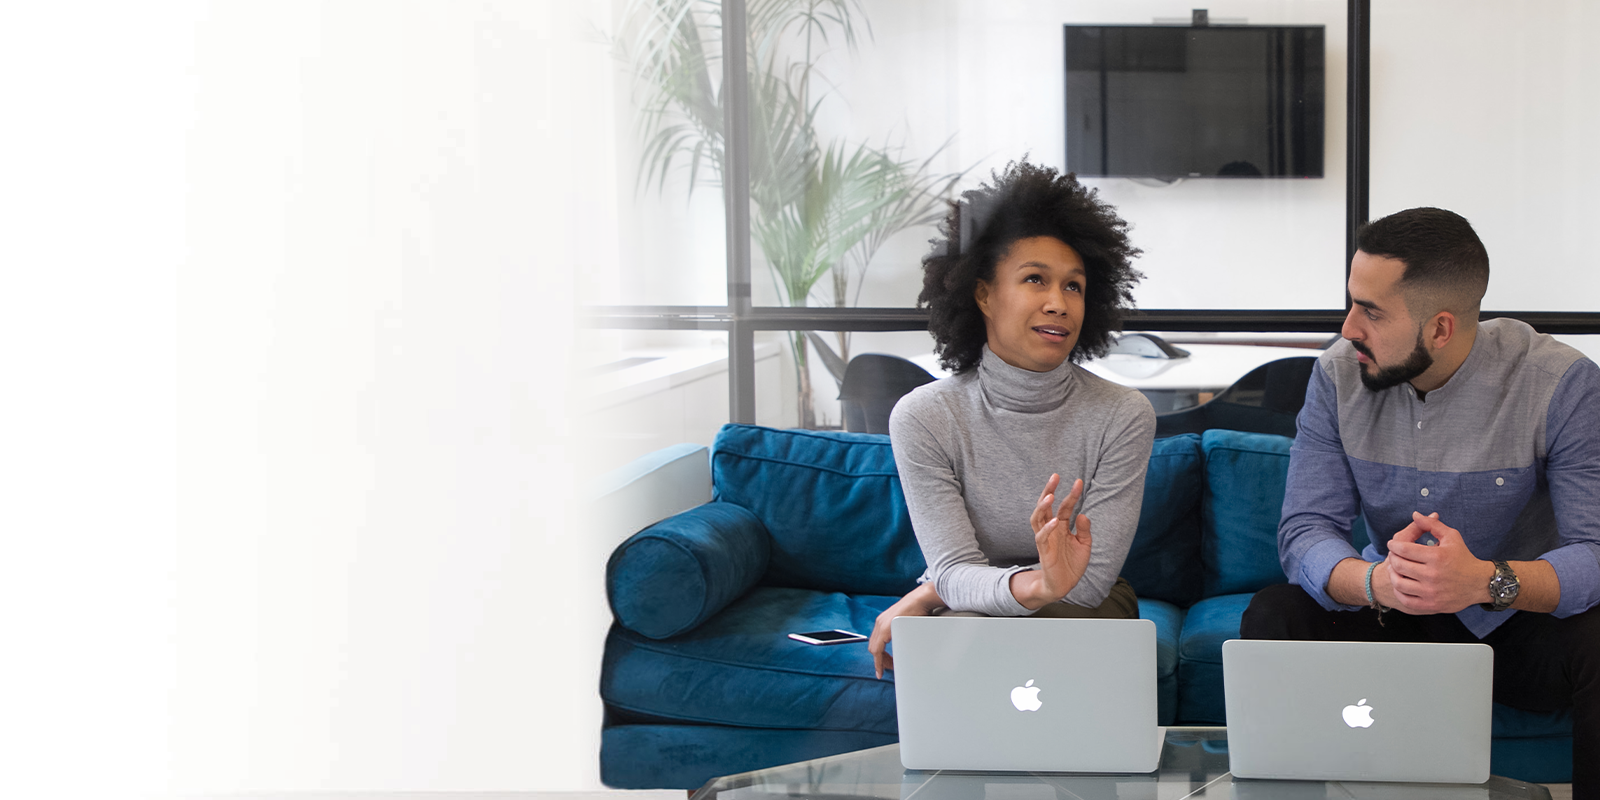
(1166, 546)
(831, 502)
(1514, 723)
(1243, 500)
(1531, 758)
(1209, 623)
(1169, 626)
(740, 668)
(675, 574)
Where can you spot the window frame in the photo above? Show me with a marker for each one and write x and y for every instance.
(741, 319)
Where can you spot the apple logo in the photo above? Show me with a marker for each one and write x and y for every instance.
(1026, 697)
(1359, 715)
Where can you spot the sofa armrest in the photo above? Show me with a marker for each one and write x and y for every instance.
(670, 577)
(649, 489)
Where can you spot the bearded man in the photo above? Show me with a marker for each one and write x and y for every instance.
(1472, 451)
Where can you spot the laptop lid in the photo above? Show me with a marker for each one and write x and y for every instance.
(1358, 711)
(1025, 694)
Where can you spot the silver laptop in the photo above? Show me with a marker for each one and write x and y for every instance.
(1358, 711)
(1034, 695)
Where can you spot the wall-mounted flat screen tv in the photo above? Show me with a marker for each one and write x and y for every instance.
(1158, 101)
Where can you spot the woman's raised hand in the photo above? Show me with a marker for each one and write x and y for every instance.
(1063, 547)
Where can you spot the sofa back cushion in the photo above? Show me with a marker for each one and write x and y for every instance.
(1166, 546)
(1243, 499)
(831, 502)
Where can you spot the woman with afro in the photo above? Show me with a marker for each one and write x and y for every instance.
(1006, 463)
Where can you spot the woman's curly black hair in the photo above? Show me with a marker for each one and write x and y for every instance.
(1025, 200)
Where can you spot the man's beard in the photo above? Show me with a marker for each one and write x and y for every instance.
(1417, 363)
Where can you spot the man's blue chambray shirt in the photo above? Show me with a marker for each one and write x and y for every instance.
(1507, 451)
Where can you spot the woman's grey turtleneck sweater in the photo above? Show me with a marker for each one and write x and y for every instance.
(974, 452)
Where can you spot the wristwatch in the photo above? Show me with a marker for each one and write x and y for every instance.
(1503, 588)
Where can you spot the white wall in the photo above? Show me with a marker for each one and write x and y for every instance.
(377, 572)
(984, 81)
(1468, 112)
(92, 157)
(669, 246)
(679, 394)
(287, 297)
(1483, 106)
(990, 76)
(380, 581)
(1490, 108)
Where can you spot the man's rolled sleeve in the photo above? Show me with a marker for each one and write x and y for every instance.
(1316, 567)
(1579, 573)
(1572, 428)
(1320, 498)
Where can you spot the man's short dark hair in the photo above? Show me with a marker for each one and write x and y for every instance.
(1447, 267)
(1024, 201)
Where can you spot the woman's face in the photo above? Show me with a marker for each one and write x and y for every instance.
(1033, 309)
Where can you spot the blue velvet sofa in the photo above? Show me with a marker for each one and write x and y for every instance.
(808, 530)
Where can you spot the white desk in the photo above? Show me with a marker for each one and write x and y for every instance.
(1174, 384)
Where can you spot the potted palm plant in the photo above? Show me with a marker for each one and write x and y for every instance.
(820, 207)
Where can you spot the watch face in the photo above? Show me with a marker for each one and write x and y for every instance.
(1503, 586)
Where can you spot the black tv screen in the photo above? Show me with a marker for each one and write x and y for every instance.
(1170, 102)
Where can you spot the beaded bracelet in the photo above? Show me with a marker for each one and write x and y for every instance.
(1371, 599)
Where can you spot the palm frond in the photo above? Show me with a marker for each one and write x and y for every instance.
(681, 112)
(917, 199)
(815, 209)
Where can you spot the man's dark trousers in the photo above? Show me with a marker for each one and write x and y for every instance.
(1541, 663)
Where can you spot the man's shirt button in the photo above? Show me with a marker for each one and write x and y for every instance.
(1424, 492)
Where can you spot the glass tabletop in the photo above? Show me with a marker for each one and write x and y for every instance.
(1194, 766)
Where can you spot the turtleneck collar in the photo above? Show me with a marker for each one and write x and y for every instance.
(1025, 391)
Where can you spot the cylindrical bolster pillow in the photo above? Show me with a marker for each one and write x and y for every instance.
(673, 575)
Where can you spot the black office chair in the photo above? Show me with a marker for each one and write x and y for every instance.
(1267, 400)
(872, 384)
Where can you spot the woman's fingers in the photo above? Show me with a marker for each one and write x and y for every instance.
(1041, 512)
(1064, 544)
(881, 661)
(878, 643)
(1047, 499)
(1050, 486)
(1071, 503)
(1043, 538)
(921, 602)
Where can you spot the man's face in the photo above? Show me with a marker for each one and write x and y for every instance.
(1389, 341)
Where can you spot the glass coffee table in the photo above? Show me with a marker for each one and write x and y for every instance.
(1194, 765)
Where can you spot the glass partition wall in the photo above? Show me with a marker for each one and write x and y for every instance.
(784, 218)
(1490, 109)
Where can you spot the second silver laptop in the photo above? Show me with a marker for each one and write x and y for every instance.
(1358, 711)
